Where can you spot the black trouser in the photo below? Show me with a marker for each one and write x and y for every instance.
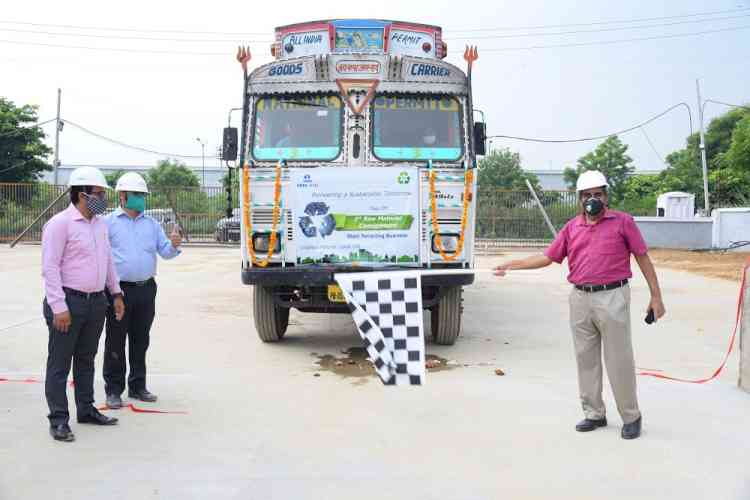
(78, 345)
(135, 325)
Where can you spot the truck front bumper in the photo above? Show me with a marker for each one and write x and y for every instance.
(323, 275)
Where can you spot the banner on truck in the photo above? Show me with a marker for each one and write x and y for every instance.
(356, 215)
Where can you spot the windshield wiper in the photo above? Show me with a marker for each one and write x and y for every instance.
(303, 103)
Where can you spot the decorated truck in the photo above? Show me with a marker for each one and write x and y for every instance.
(358, 153)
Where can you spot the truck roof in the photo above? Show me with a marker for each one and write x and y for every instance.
(359, 36)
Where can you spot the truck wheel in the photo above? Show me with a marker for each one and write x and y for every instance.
(446, 317)
(270, 319)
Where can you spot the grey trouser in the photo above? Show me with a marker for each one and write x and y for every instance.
(602, 319)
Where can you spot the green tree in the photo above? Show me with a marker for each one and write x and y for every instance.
(22, 150)
(113, 177)
(731, 175)
(502, 169)
(171, 174)
(684, 171)
(610, 158)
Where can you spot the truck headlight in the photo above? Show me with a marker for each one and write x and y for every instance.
(449, 243)
(261, 241)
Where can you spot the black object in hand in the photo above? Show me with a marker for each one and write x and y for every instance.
(650, 318)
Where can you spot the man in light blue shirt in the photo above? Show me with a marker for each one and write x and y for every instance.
(136, 239)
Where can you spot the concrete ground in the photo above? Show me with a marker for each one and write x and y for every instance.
(262, 425)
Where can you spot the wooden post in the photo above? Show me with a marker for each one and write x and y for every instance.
(744, 381)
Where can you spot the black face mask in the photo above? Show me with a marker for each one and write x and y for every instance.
(593, 207)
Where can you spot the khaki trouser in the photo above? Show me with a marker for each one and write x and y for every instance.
(603, 319)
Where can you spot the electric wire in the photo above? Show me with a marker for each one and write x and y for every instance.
(600, 137)
(599, 30)
(130, 146)
(133, 30)
(599, 23)
(612, 42)
(139, 38)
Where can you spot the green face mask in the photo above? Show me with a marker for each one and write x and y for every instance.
(136, 202)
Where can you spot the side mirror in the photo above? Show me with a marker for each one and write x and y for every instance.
(229, 145)
(480, 138)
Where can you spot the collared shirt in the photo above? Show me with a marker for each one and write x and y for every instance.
(76, 254)
(598, 253)
(135, 243)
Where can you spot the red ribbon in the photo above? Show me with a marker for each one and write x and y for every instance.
(740, 302)
(30, 380)
(135, 409)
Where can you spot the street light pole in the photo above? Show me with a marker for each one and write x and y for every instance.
(57, 137)
(702, 148)
(203, 159)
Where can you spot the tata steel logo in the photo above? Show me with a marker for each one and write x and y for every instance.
(306, 182)
(287, 69)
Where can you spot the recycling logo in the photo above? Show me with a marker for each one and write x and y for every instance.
(403, 178)
(317, 221)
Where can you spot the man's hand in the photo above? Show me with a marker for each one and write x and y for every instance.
(657, 306)
(61, 321)
(119, 306)
(175, 237)
(502, 269)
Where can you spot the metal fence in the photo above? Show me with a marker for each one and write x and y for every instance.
(504, 218)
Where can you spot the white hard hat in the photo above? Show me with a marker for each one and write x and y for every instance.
(87, 176)
(591, 179)
(132, 182)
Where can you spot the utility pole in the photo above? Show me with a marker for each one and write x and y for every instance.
(57, 137)
(702, 148)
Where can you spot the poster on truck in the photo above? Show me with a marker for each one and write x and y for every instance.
(372, 218)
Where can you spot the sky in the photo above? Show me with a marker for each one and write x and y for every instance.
(164, 102)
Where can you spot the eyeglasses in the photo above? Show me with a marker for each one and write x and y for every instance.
(598, 195)
(98, 194)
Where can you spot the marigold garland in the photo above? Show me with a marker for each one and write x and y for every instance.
(248, 220)
(468, 181)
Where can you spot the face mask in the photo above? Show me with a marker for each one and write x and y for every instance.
(593, 207)
(96, 205)
(136, 202)
(429, 140)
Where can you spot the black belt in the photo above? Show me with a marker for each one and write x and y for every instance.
(85, 295)
(601, 288)
(137, 283)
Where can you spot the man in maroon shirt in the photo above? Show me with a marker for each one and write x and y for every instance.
(598, 244)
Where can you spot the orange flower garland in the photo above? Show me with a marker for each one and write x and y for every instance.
(468, 180)
(247, 219)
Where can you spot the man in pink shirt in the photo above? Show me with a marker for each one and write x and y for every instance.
(598, 244)
(76, 265)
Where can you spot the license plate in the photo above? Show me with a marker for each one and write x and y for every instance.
(335, 294)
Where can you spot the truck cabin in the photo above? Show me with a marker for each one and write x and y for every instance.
(359, 93)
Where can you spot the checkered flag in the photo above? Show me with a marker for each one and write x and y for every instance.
(387, 309)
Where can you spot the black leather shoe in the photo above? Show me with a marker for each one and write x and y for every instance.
(142, 395)
(588, 425)
(96, 418)
(632, 430)
(62, 432)
(114, 401)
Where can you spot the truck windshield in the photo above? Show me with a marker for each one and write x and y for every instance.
(300, 127)
(416, 127)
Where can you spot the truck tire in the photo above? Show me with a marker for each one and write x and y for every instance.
(270, 319)
(445, 317)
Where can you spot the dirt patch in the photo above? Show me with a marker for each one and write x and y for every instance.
(355, 364)
(724, 265)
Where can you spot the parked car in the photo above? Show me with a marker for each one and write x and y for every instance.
(228, 228)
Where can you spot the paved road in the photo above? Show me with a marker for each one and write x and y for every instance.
(261, 425)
